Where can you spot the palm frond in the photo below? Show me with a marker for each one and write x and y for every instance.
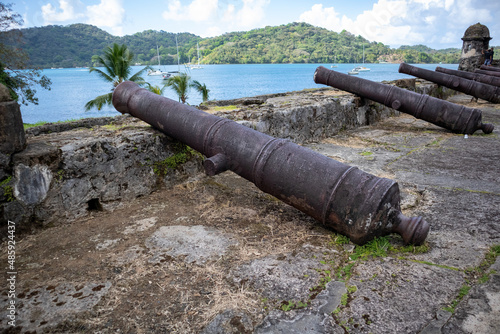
(99, 102)
(101, 74)
(138, 76)
(104, 63)
(202, 89)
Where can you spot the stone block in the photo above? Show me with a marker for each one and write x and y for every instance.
(12, 138)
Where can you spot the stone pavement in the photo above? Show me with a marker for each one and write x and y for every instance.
(216, 255)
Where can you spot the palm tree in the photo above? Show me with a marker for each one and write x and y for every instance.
(202, 89)
(180, 84)
(117, 62)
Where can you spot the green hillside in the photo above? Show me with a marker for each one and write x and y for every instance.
(74, 46)
(57, 46)
(291, 43)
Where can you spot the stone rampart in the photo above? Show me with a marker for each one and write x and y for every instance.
(62, 176)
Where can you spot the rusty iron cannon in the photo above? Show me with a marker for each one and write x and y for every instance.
(352, 202)
(487, 79)
(489, 68)
(453, 117)
(469, 87)
(488, 73)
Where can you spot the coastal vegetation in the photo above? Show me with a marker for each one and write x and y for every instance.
(13, 60)
(74, 45)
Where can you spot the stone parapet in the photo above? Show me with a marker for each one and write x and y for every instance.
(63, 176)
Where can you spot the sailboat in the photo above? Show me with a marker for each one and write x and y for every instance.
(197, 66)
(362, 68)
(170, 74)
(334, 66)
(158, 71)
(357, 69)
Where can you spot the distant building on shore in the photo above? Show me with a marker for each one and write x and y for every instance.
(476, 39)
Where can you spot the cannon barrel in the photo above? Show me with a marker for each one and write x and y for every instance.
(487, 79)
(352, 202)
(448, 115)
(488, 73)
(489, 68)
(469, 87)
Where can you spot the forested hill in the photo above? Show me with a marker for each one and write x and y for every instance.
(74, 46)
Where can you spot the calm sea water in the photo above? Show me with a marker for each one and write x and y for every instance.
(72, 88)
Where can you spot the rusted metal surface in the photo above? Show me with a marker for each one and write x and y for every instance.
(488, 73)
(487, 79)
(469, 87)
(489, 68)
(453, 117)
(346, 199)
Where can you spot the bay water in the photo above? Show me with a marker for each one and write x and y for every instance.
(73, 87)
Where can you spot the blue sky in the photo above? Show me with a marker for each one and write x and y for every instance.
(435, 23)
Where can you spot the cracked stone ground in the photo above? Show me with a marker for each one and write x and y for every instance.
(217, 255)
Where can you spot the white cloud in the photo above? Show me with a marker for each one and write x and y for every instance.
(218, 16)
(466, 10)
(376, 24)
(197, 11)
(69, 10)
(448, 4)
(108, 13)
(450, 38)
(323, 17)
(251, 13)
(398, 22)
(201, 10)
(426, 4)
(228, 14)
(430, 19)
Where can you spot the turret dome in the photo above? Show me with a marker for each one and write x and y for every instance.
(477, 31)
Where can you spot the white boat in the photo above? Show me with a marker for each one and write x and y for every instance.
(361, 69)
(169, 74)
(353, 72)
(197, 66)
(156, 72)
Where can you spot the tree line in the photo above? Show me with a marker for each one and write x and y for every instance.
(74, 45)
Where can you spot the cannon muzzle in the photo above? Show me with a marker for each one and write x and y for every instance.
(354, 203)
(487, 79)
(453, 117)
(466, 86)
